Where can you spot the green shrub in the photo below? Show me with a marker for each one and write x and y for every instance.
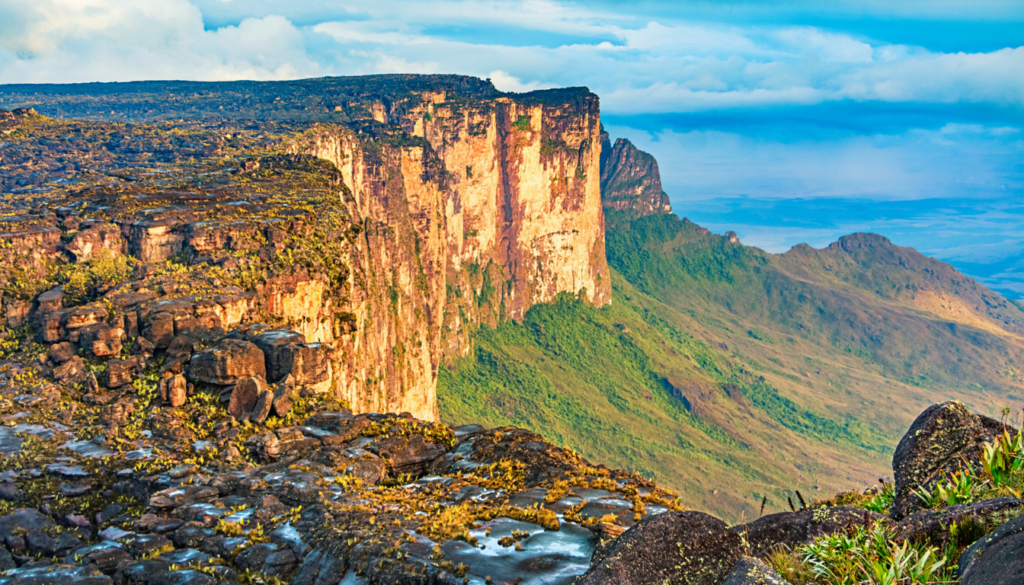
(83, 281)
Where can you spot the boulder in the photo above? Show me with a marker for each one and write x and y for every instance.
(227, 362)
(674, 548)
(174, 389)
(121, 372)
(796, 528)
(410, 454)
(933, 445)
(159, 330)
(71, 371)
(750, 571)
(996, 559)
(244, 396)
(60, 353)
(50, 301)
(264, 403)
(277, 345)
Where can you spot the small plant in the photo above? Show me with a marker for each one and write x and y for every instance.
(522, 123)
(882, 501)
(957, 488)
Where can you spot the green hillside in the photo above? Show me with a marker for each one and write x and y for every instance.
(729, 373)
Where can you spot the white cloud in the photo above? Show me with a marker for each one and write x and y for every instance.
(637, 66)
(116, 40)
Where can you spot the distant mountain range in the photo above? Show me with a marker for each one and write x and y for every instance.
(731, 374)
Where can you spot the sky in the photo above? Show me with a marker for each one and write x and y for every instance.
(787, 121)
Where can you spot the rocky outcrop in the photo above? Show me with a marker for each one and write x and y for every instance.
(630, 180)
(443, 205)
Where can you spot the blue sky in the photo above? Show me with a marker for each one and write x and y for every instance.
(787, 121)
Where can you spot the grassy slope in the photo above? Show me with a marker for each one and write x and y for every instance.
(720, 367)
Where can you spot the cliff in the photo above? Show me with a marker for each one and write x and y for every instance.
(630, 180)
(457, 206)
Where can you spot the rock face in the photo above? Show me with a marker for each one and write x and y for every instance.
(516, 220)
(673, 548)
(630, 180)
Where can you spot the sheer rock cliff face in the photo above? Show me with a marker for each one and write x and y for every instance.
(470, 206)
(630, 181)
(495, 209)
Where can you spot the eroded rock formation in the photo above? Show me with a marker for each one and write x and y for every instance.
(630, 180)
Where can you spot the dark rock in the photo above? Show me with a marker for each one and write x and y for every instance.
(186, 577)
(173, 389)
(749, 571)
(410, 454)
(139, 572)
(320, 568)
(931, 525)
(145, 545)
(107, 559)
(101, 340)
(673, 548)
(228, 362)
(796, 528)
(121, 372)
(244, 396)
(933, 444)
(996, 559)
(160, 330)
(277, 346)
(264, 403)
(24, 520)
(61, 352)
(71, 371)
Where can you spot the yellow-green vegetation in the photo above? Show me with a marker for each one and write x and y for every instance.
(712, 351)
(864, 555)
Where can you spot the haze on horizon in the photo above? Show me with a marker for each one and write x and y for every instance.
(786, 122)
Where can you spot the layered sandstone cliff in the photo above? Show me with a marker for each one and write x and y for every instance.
(466, 206)
(482, 211)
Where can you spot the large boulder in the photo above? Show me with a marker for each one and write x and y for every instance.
(996, 559)
(937, 442)
(674, 548)
(245, 395)
(227, 362)
(795, 528)
(288, 355)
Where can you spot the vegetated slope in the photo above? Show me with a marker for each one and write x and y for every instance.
(721, 368)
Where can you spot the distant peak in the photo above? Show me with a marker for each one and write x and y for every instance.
(630, 179)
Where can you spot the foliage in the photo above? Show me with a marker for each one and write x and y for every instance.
(82, 282)
(864, 555)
